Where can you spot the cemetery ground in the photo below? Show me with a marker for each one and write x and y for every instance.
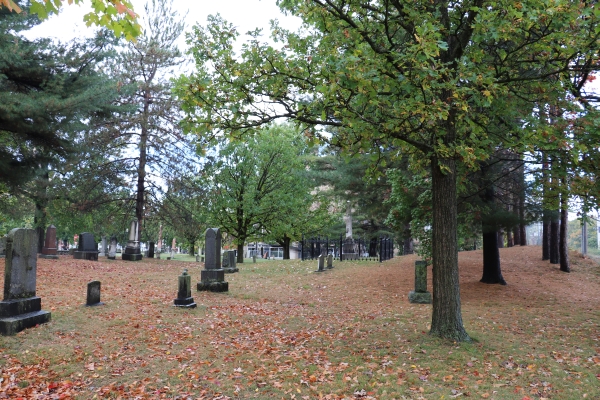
(285, 332)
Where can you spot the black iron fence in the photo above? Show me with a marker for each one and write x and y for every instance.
(372, 249)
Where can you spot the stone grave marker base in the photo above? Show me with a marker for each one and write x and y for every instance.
(48, 256)
(187, 303)
(213, 286)
(86, 255)
(419, 297)
(132, 257)
(17, 315)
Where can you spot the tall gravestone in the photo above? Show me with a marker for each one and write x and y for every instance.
(184, 292)
(112, 249)
(212, 277)
(103, 247)
(329, 261)
(93, 294)
(21, 308)
(49, 250)
(87, 249)
(231, 262)
(420, 295)
(132, 252)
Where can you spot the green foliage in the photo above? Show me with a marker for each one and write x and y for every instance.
(116, 15)
(256, 187)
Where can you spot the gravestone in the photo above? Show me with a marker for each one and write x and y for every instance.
(103, 247)
(420, 295)
(184, 293)
(21, 308)
(2, 246)
(87, 249)
(93, 294)
(225, 259)
(329, 261)
(151, 250)
(212, 277)
(321, 263)
(254, 258)
(49, 250)
(231, 262)
(349, 250)
(132, 250)
(112, 249)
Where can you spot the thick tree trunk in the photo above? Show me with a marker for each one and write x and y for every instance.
(492, 273)
(501, 239)
(564, 219)
(285, 243)
(491, 260)
(509, 238)
(446, 319)
(545, 237)
(240, 254)
(554, 239)
(40, 217)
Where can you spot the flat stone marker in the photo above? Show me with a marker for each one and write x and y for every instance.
(132, 250)
(21, 308)
(49, 250)
(321, 263)
(93, 294)
(212, 277)
(184, 293)
(87, 249)
(329, 261)
(420, 295)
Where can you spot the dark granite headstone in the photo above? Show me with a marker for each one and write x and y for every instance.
(349, 250)
(87, 249)
(231, 258)
(93, 294)
(420, 295)
(184, 293)
(132, 250)
(212, 277)
(21, 308)
(49, 250)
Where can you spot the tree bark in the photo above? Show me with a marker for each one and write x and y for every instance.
(545, 237)
(554, 238)
(500, 239)
(446, 319)
(564, 219)
(492, 273)
(141, 171)
(509, 238)
(240, 253)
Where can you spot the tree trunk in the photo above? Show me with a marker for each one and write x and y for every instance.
(407, 246)
(492, 273)
(564, 219)
(491, 260)
(545, 237)
(240, 253)
(554, 238)
(501, 238)
(446, 319)
(141, 171)
(40, 217)
(509, 238)
(286, 247)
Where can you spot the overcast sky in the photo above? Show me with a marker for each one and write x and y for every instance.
(246, 15)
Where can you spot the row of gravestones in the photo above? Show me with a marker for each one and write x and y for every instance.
(21, 308)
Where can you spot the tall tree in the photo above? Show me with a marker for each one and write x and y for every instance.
(257, 184)
(417, 76)
(161, 149)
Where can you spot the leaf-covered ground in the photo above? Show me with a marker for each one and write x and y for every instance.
(285, 332)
